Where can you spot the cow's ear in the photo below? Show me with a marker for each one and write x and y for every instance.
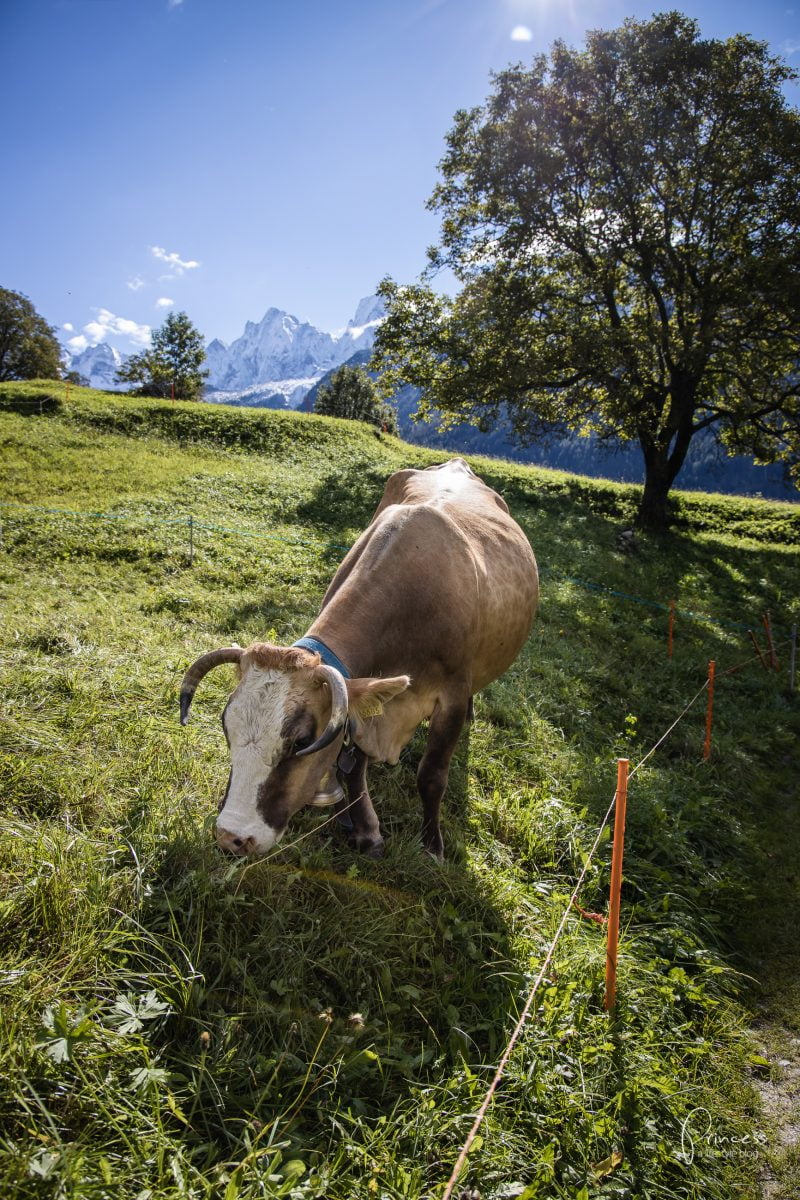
(366, 697)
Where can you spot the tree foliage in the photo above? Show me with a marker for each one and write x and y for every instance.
(624, 224)
(352, 394)
(174, 360)
(29, 348)
(77, 379)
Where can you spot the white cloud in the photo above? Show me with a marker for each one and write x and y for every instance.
(521, 33)
(790, 48)
(164, 302)
(70, 328)
(135, 283)
(174, 3)
(173, 260)
(106, 325)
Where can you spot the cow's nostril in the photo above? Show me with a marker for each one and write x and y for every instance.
(232, 842)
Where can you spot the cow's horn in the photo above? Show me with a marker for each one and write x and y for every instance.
(335, 725)
(204, 664)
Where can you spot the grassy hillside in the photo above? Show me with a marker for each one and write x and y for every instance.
(175, 1023)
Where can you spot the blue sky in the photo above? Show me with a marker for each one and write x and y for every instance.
(224, 156)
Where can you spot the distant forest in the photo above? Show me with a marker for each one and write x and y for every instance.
(707, 468)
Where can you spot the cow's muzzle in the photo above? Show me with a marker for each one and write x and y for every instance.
(233, 843)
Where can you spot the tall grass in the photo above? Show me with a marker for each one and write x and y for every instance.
(317, 1024)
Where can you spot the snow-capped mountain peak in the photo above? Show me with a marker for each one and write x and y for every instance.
(280, 349)
(371, 310)
(98, 364)
(275, 361)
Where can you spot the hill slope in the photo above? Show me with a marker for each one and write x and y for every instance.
(318, 1024)
(706, 466)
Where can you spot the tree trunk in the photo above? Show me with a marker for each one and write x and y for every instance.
(654, 509)
(663, 460)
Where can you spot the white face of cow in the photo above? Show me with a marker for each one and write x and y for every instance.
(285, 725)
(267, 719)
(252, 722)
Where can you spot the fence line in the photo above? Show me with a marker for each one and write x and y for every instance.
(146, 518)
(31, 401)
(666, 608)
(547, 573)
(273, 536)
(572, 903)
(102, 516)
(523, 1018)
(665, 735)
(757, 656)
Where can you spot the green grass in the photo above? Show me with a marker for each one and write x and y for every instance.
(174, 1023)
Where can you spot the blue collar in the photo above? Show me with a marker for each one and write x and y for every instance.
(325, 653)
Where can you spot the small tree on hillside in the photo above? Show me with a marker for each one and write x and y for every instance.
(29, 348)
(77, 379)
(350, 393)
(624, 222)
(174, 360)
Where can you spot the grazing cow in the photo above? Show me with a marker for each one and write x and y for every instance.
(431, 604)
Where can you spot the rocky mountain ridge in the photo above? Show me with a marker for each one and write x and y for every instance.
(273, 363)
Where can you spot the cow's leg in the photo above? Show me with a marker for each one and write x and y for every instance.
(356, 812)
(446, 725)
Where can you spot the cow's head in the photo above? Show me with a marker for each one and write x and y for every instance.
(284, 723)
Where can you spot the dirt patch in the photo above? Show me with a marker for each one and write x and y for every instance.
(770, 950)
(779, 1092)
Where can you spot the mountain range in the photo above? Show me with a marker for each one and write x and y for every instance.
(280, 362)
(272, 365)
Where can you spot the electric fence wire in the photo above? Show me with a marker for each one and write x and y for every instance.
(748, 662)
(523, 1018)
(557, 576)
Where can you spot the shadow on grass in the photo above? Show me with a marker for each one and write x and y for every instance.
(345, 498)
(316, 980)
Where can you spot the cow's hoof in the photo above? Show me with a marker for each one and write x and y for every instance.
(373, 847)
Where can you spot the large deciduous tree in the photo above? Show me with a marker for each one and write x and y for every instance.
(624, 225)
(29, 347)
(172, 365)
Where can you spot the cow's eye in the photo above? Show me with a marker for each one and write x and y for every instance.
(302, 743)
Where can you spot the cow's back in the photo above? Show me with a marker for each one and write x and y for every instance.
(442, 577)
(451, 483)
(507, 582)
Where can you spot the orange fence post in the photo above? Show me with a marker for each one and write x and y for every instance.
(754, 640)
(671, 627)
(621, 803)
(712, 668)
(773, 658)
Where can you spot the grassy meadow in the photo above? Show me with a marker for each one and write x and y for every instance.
(176, 1023)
